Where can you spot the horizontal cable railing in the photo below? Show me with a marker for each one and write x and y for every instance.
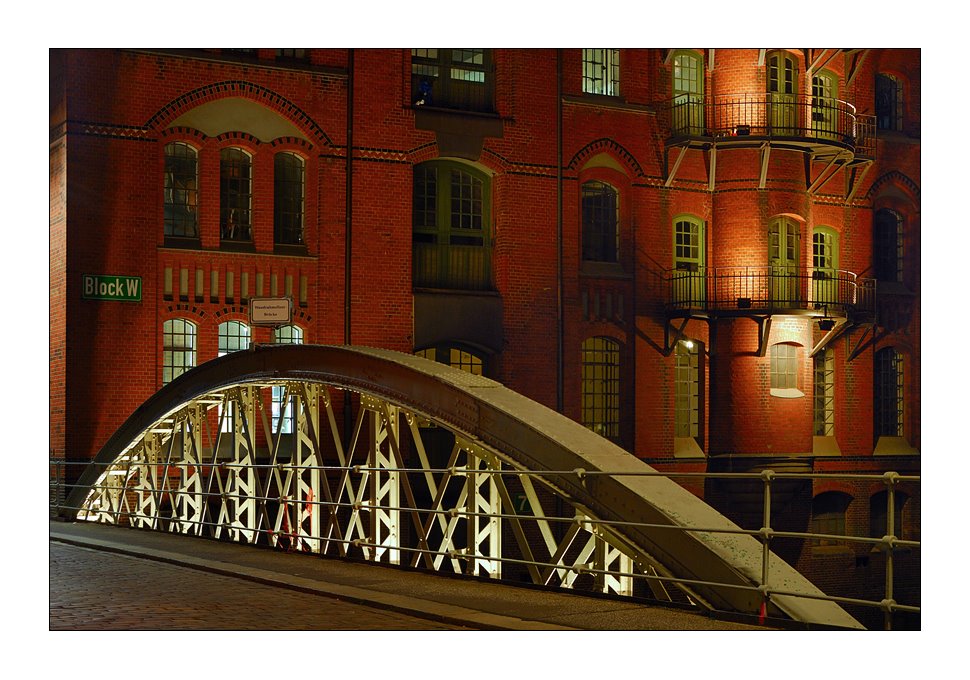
(447, 518)
(825, 119)
(829, 291)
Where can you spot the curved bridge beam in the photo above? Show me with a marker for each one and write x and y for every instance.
(506, 429)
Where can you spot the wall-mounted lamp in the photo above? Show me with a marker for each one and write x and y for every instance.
(826, 324)
(689, 344)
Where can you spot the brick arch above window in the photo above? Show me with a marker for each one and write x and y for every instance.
(610, 147)
(304, 125)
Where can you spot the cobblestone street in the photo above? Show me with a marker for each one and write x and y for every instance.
(97, 590)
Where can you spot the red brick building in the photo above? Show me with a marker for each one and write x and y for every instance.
(711, 257)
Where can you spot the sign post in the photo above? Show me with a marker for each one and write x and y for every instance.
(270, 311)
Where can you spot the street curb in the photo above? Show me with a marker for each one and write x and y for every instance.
(403, 604)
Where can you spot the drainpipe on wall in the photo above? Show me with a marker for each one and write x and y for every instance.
(560, 397)
(349, 186)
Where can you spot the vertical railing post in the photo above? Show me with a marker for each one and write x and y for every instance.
(766, 476)
(889, 539)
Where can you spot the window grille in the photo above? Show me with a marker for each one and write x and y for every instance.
(889, 102)
(283, 418)
(600, 207)
(178, 348)
(888, 398)
(452, 78)
(235, 195)
(828, 516)
(601, 71)
(824, 394)
(181, 190)
(233, 336)
(784, 366)
(601, 386)
(686, 391)
(288, 204)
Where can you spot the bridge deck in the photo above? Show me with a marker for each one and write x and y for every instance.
(466, 602)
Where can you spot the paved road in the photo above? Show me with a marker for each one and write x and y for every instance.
(97, 590)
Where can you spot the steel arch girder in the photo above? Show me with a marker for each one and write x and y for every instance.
(532, 436)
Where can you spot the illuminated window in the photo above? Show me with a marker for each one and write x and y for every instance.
(235, 195)
(687, 114)
(451, 213)
(782, 86)
(452, 78)
(688, 282)
(178, 348)
(283, 419)
(889, 102)
(828, 516)
(455, 357)
(601, 71)
(181, 191)
(888, 245)
(600, 212)
(601, 386)
(823, 393)
(784, 367)
(233, 336)
(288, 199)
(687, 390)
(824, 102)
(888, 397)
(825, 252)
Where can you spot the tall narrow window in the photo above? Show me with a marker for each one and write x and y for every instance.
(823, 393)
(782, 73)
(783, 255)
(889, 102)
(178, 348)
(288, 182)
(688, 94)
(451, 213)
(687, 391)
(824, 103)
(601, 386)
(888, 397)
(283, 418)
(233, 336)
(784, 370)
(825, 243)
(601, 71)
(689, 277)
(452, 78)
(601, 236)
(235, 195)
(181, 191)
(888, 245)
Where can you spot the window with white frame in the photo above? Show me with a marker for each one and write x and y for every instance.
(178, 348)
(687, 390)
(233, 336)
(823, 393)
(601, 386)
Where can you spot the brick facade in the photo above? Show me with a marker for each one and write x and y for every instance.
(113, 112)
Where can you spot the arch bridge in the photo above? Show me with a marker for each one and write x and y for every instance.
(373, 454)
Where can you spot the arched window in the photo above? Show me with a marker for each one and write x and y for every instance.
(601, 386)
(288, 199)
(178, 348)
(784, 359)
(233, 336)
(889, 102)
(828, 516)
(451, 219)
(283, 419)
(235, 195)
(181, 191)
(600, 211)
(888, 394)
(601, 71)
(888, 245)
(687, 115)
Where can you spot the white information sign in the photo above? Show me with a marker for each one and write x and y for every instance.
(270, 311)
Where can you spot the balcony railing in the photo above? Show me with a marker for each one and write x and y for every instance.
(822, 119)
(773, 288)
(455, 267)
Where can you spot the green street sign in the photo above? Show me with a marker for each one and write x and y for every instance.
(107, 287)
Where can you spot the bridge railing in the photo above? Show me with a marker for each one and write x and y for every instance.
(472, 515)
